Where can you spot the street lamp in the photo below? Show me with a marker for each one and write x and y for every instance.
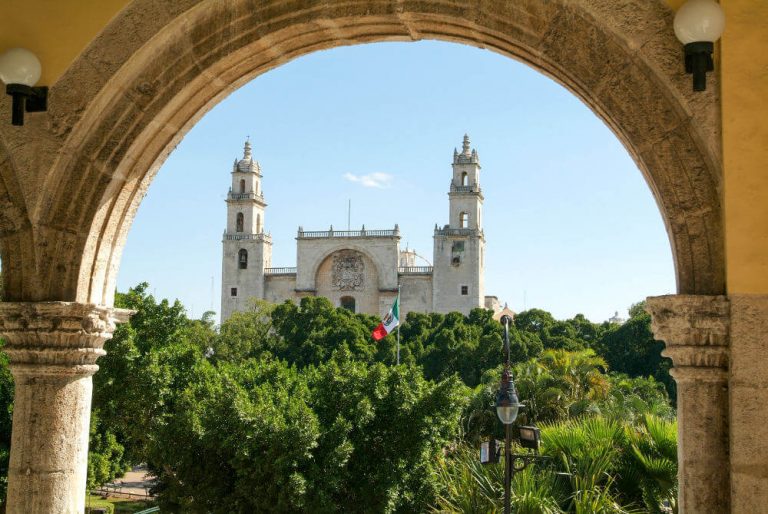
(507, 407)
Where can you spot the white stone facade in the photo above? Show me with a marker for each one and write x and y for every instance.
(359, 269)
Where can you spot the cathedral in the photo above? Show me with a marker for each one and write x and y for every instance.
(361, 270)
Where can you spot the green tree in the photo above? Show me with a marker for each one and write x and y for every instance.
(246, 334)
(382, 428)
(148, 360)
(631, 349)
(6, 417)
(105, 455)
(310, 332)
(237, 439)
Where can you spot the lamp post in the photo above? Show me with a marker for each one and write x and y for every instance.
(507, 407)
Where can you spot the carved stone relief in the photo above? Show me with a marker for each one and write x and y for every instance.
(348, 271)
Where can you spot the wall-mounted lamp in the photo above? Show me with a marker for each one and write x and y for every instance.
(20, 70)
(698, 24)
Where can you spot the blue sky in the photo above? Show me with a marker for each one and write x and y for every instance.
(571, 226)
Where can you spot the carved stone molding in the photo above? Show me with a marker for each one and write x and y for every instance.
(57, 338)
(695, 329)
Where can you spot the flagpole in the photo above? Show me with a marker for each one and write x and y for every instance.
(399, 322)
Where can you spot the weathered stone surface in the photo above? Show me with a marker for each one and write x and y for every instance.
(696, 331)
(53, 348)
(748, 390)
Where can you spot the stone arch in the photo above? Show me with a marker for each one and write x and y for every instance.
(157, 68)
(320, 258)
(346, 272)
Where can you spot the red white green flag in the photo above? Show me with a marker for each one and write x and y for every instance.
(389, 322)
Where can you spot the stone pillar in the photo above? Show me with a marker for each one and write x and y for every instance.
(52, 347)
(696, 330)
(748, 388)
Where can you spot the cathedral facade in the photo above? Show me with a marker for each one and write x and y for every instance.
(361, 270)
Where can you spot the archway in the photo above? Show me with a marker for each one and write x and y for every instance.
(76, 175)
(111, 143)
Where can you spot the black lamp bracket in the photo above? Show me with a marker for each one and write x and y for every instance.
(26, 98)
(698, 61)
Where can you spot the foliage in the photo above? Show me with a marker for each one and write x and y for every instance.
(6, 416)
(116, 505)
(630, 399)
(631, 349)
(287, 408)
(596, 465)
(105, 455)
(238, 440)
(653, 463)
(148, 360)
(382, 428)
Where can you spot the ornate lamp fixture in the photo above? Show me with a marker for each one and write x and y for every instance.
(507, 404)
(20, 70)
(698, 24)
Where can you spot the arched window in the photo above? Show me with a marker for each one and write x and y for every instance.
(240, 222)
(242, 259)
(242, 186)
(348, 302)
(464, 179)
(464, 220)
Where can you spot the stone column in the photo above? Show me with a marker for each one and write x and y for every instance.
(748, 388)
(696, 331)
(52, 347)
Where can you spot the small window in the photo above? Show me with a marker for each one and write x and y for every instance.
(348, 302)
(464, 220)
(258, 223)
(464, 290)
(456, 260)
(242, 259)
(464, 179)
(242, 186)
(240, 222)
(233, 291)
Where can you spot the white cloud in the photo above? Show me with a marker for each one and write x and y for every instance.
(377, 179)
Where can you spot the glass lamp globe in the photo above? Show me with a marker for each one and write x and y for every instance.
(699, 21)
(19, 66)
(507, 413)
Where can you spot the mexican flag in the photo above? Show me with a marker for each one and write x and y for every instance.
(389, 322)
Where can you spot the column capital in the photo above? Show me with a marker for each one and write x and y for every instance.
(695, 329)
(57, 338)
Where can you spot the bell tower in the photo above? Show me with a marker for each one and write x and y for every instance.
(247, 249)
(459, 247)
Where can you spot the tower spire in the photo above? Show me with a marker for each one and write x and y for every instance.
(465, 146)
(247, 149)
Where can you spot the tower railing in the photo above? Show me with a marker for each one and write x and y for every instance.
(248, 237)
(415, 269)
(446, 231)
(474, 188)
(279, 271)
(245, 196)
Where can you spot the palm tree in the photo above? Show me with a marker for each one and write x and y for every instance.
(654, 456)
